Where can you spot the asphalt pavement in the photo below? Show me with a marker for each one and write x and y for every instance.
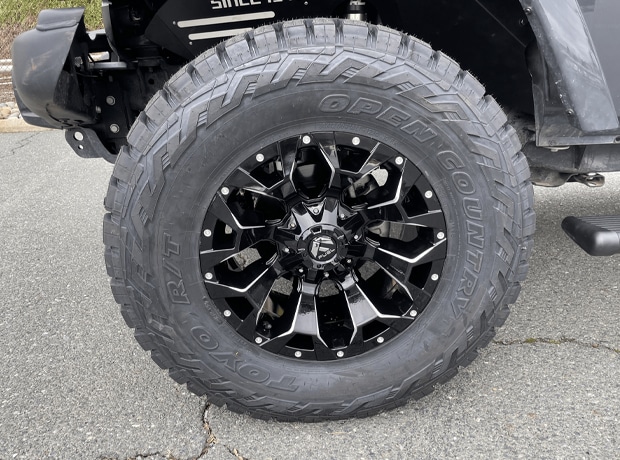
(75, 384)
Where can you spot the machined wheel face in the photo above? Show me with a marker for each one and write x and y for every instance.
(323, 246)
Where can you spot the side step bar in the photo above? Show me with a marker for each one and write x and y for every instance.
(598, 236)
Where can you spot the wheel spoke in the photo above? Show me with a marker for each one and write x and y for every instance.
(422, 255)
(303, 319)
(327, 145)
(361, 308)
(220, 209)
(210, 258)
(398, 185)
(431, 219)
(400, 271)
(242, 179)
(255, 292)
(380, 154)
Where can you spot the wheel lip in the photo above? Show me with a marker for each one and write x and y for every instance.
(390, 332)
(454, 138)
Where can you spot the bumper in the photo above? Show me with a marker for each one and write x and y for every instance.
(46, 88)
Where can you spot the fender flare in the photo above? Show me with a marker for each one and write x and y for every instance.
(39, 56)
(573, 65)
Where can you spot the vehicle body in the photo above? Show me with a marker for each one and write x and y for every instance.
(550, 64)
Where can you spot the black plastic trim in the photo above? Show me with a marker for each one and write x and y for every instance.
(574, 67)
(39, 57)
(598, 236)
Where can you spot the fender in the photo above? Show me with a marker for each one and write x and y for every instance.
(52, 96)
(570, 89)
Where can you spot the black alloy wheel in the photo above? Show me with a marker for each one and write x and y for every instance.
(323, 246)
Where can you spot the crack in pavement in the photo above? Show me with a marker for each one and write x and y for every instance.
(20, 145)
(560, 341)
(212, 439)
(151, 456)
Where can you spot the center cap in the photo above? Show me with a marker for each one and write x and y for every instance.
(323, 248)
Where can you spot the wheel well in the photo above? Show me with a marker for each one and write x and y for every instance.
(486, 37)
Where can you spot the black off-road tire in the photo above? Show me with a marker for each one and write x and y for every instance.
(365, 89)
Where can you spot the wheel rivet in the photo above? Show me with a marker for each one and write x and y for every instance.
(326, 275)
(434, 277)
(316, 211)
(340, 354)
(115, 128)
(301, 270)
(258, 340)
(413, 313)
(380, 340)
(441, 235)
(209, 275)
(225, 190)
(399, 161)
(208, 233)
(356, 141)
(260, 157)
(298, 354)
(227, 313)
(349, 261)
(110, 100)
(307, 139)
(356, 237)
(342, 216)
(429, 194)
(286, 250)
(292, 225)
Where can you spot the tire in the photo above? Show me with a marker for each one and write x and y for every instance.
(317, 220)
